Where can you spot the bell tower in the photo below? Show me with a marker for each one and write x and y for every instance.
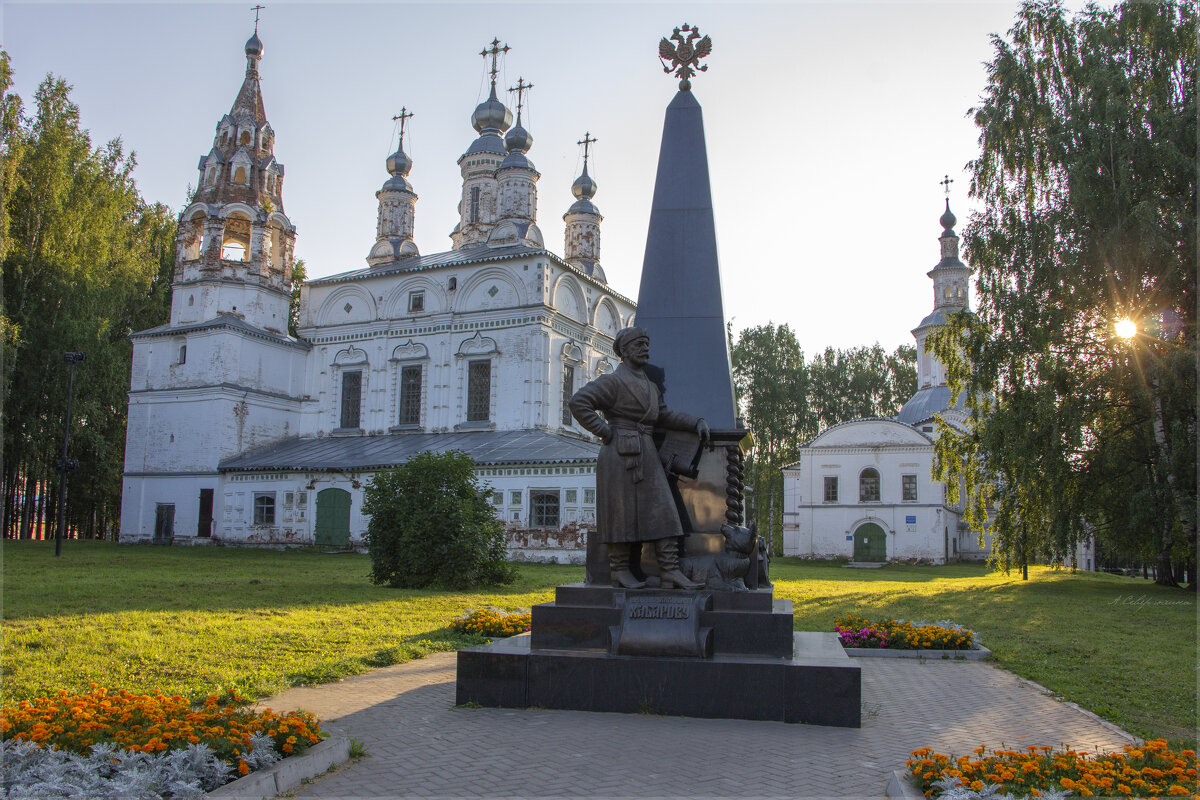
(234, 248)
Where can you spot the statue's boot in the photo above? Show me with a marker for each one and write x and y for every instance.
(618, 567)
(667, 551)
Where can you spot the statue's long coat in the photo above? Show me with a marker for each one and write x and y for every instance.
(633, 499)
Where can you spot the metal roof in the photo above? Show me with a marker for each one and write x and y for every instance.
(221, 321)
(928, 402)
(474, 254)
(374, 452)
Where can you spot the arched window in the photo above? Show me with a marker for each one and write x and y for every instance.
(868, 486)
(245, 139)
(474, 204)
(239, 176)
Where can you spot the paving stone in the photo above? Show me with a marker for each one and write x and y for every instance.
(418, 745)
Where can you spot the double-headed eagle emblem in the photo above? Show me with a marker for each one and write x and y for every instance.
(684, 57)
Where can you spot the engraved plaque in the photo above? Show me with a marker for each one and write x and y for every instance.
(661, 624)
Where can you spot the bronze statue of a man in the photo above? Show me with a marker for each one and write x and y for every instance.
(633, 499)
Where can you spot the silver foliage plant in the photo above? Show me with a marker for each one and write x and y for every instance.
(952, 790)
(28, 770)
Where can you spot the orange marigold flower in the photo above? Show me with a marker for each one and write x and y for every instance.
(977, 785)
(243, 768)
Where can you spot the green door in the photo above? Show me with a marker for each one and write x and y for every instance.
(870, 543)
(333, 517)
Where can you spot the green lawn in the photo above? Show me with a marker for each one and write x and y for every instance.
(202, 620)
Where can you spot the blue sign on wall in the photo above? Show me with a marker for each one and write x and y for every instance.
(910, 520)
(849, 538)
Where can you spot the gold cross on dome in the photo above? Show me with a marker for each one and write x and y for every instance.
(403, 117)
(586, 141)
(494, 52)
(257, 9)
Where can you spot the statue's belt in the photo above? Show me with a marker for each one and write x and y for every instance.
(628, 439)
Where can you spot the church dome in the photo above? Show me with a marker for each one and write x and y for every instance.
(518, 139)
(948, 219)
(491, 115)
(584, 187)
(254, 46)
(398, 163)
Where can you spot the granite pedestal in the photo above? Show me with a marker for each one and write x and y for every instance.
(746, 664)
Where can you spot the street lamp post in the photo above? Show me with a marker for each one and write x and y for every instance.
(65, 465)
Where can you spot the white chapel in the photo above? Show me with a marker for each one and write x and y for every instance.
(863, 489)
(242, 433)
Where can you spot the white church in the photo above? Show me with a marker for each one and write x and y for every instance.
(241, 433)
(863, 489)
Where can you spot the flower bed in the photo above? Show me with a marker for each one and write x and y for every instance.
(897, 634)
(133, 734)
(1148, 770)
(493, 623)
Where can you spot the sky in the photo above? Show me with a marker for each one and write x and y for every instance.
(829, 126)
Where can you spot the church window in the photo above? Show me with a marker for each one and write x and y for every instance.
(264, 508)
(416, 302)
(239, 176)
(868, 486)
(301, 499)
(191, 300)
(210, 175)
(568, 389)
(831, 489)
(497, 498)
(452, 284)
(514, 498)
(245, 138)
(351, 398)
(474, 204)
(543, 509)
(410, 395)
(479, 391)
(182, 354)
(572, 496)
(908, 484)
(589, 497)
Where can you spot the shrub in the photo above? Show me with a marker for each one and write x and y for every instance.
(493, 623)
(431, 524)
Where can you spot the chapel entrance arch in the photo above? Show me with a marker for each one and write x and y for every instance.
(870, 543)
(333, 518)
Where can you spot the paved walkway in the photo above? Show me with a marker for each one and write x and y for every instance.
(418, 745)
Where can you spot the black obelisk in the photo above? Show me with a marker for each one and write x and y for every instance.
(679, 301)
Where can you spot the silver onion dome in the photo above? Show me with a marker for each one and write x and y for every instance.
(518, 139)
(584, 187)
(948, 219)
(491, 115)
(254, 46)
(398, 163)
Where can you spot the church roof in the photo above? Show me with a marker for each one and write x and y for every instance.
(928, 402)
(340, 453)
(476, 254)
(222, 321)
